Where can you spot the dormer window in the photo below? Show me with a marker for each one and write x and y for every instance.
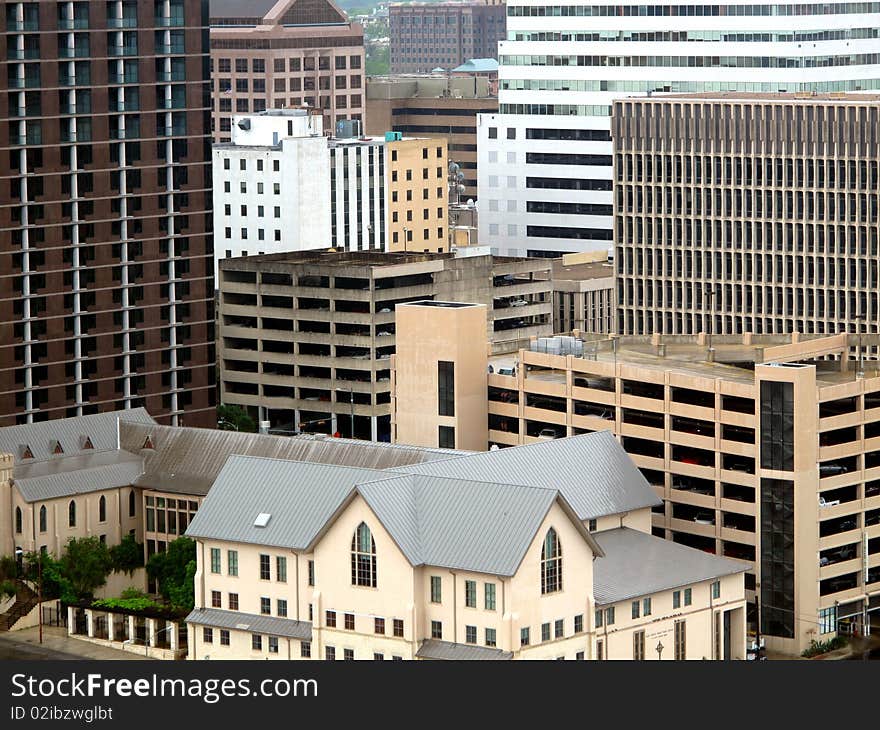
(56, 449)
(148, 443)
(87, 444)
(26, 452)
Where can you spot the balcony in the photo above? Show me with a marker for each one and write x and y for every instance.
(18, 26)
(75, 24)
(22, 54)
(127, 22)
(122, 50)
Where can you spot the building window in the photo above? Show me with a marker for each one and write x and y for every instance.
(639, 646)
(445, 388)
(281, 569)
(591, 525)
(331, 619)
(265, 605)
(676, 599)
(493, 132)
(600, 650)
(559, 629)
(446, 437)
(363, 557)
(635, 609)
(378, 657)
(545, 631)
(224, 637)
(828, 620)
(491, 637)
(265, 570)
(273, 644)
(470, 593)
(579, 656)
(436, 630)
(349, 621)
(311, 572)
(436, 594)
(232, 562)
(398, 627)
(208, 635)
(551, 563)
(716, 589)
(679, 637)
(598, 619)
(18, 520)
(646, 607)
(609, 616)
(305, 649)
(489, 596)
(233, 601)
(524, 636)
(215, 560)
(578, 623)
(379, 626)
(282, 607)
(687, 596)
(348, 655)
(102, 509)
(43, 520)
(71, 514)
(330, 653)
(256, 642)
(216, 599)
(470, 634)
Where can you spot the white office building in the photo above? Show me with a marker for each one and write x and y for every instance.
(357, 185)
(271, 185)
(544, 161)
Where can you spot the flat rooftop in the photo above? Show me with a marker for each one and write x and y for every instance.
(855, 97)
(582, 272)
(331, 257)
(440, 305)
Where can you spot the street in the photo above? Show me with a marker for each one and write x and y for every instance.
(11, 649)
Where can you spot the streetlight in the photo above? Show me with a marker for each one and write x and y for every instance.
(659, 650)
(405, 237)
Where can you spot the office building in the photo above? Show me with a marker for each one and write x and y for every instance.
(547, 154)
(106, 289)
(469, 557)
(307, 337)
(273, 54)
(743, 213)
(272, 185)
(584, 293)
(434, 105)
(426, 36)
(761, 447)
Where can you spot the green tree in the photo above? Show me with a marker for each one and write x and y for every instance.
(174, 570)
(86, 565)
(234, 418)
(128, 555)
(55, 583)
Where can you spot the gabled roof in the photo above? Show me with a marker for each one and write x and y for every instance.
(255, 623)
(480, 527)
(447, 650)
(70, 433)
(78, 474)
(592, 472)
(638, 564)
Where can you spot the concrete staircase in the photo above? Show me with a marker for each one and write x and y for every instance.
(25, 600)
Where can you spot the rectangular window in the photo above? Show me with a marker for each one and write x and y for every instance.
(687, 596)
(349, 622)
(265, 605)
(639, 646)
(598, 620)
(489, 590)
(436, 630)
(379, 626)
(398, 627)
(559, 629)
(348, 655)
(777, 557)
(281, 604)
(264, 568)
(545, 631)
(281, 569)
(524, 636)
(470, 634)
(578, 623)
(676, 599)
(777, 425)
(600, 650)
(224, 637)
(491, 637)
(635, 609)
(256, 642)
(331, 619)
(579, 656)
(646, 607)
(716, 589)
(680, 642)
(378, 657)
(436, 594)
(216, 599)
(828, 620)
(446, 437)
(470, 593)
(311, 572)
(305, 649)
(215, 560)
(330, 653)
(233, 601)
(609, 616)
(232, 562)
(445, 388)
(273, 644)
(208, 635)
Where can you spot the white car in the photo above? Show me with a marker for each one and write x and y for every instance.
(548, 433)
(519, 303)
(383, 333)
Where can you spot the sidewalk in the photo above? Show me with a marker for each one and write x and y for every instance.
(55, 638)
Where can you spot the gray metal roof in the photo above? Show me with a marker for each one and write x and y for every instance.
(592, 471)
(638, 564)
(99, 428)
(81, 474)
(254, 623)
(188, 460)
(300, 497)
(434, 649)
(240, 8)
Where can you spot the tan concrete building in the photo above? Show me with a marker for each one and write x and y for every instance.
(273, 54)
(741, 212)
(762, 448)
(583, 293)
(433, 105)
(306, 337)
(417, 194)
(422, 563)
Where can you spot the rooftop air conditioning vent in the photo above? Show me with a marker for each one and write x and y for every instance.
(262, 519)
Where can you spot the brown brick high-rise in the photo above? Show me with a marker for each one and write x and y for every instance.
(106, 275)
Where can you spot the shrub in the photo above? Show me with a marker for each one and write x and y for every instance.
(139, 603)
(8, 568)
(127, 556)
(86, 564)
(823, 647)
(7, 588)
(174, 570)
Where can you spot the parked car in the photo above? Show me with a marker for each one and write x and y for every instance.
(518, 303)
(506, 371)
(548, 433)
(826, 470)
(704, 518)
(384, 333)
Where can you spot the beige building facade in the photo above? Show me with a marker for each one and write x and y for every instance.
(584, 296)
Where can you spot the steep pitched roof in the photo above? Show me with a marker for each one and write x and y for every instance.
(592, 471)
(447, 650)
(78, 474)
(638, 564)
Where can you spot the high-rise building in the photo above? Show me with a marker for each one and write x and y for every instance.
(269, 54)
(272, 185)
(106, 288)
(425, 36)
(546, 158)
(747, 213)
(435, 105)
